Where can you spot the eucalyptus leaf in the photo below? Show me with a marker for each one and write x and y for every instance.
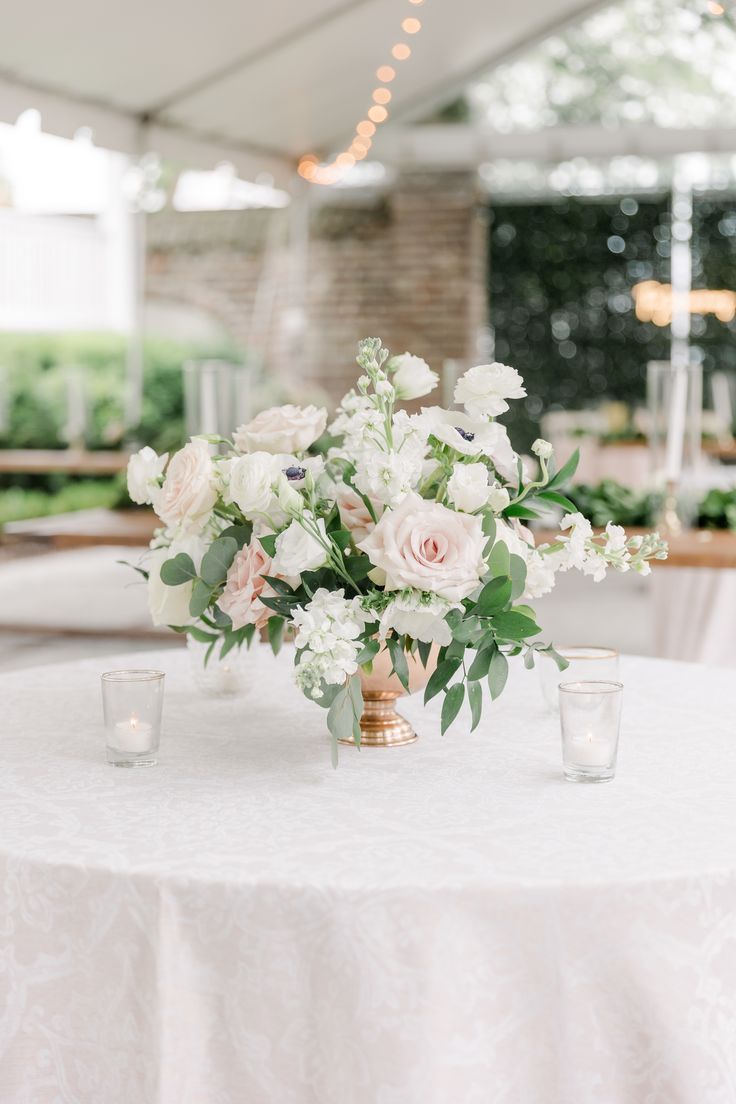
(275, 633)
(480, 666)
(268, 543)
(217, 560)
(475, 697)
(178, 570)
(425, 650)
(200, 599)
(398, 659)
(518, 576)
(494, 596)
(470, 630)
(497, 674)
(440, 678)
(451, 705)
(498, 561)
(241, 534)
(514, 626)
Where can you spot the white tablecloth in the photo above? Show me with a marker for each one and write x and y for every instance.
(694, 614)
(444, 923)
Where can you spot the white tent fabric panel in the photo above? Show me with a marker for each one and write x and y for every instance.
(254, 82)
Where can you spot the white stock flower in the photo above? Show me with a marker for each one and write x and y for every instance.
(420, 616)
(498, 499)
(469, 436)
(413, 377)
(250, 483)
(328, 629)
(298, 550)
(483, 390)
(468, 487)
(542, 449)
(189, 491)
(282, 429)
(145, 469)
(575, 550)
(169, 605)
(385, 389)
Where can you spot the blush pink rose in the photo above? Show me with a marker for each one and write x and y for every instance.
(354, 513)
(282, 429)
(189, 491)
(423, 545)
(245, 586)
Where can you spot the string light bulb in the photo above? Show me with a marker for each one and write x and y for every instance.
(309, 167)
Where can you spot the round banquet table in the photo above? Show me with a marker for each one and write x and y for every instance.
(443, 923)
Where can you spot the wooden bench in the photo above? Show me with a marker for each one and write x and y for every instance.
(68, 461)
(85, 528)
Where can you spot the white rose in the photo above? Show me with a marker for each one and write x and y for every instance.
(189, 491)
(425, 546)
(145, 469)
(170, 605)
(484, 389)
(413, 377)
(468, 487)
(419, 618)
(298, 550)
(250, 481)
(282, 429)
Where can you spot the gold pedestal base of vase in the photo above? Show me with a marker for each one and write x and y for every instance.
(381, 725)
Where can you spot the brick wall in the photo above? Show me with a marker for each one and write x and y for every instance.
(301, 289)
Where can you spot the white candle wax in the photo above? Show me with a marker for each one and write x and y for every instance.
(133, 735)
(590, 752)
(676, 417)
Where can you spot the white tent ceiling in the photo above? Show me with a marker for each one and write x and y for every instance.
(257, 83)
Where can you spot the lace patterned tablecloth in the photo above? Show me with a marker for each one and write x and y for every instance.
(444, 923)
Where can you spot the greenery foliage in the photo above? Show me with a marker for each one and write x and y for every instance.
(560, 284)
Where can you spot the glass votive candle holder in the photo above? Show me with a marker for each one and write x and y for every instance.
(590, 718)
(228, 677)
(132, 702)
(585, 662)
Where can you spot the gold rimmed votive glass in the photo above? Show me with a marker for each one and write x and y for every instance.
(590, 720)
(585, 661)
(132, 702)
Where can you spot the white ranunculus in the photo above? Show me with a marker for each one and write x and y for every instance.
(297, 550)
(483, 390)
(250, 482)
(468, 487)
(425, 546)
(413, 377)
(498, 499)
(282, 429)
(469, 436)
(419, 616)
(145, 469)
(170, 605)
(189, 490)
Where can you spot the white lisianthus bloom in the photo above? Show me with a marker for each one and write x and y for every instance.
(145, 469)
(282, 429)
(423, 545)
(542, 449)
(298, 550)
(290, 501)
(189, 491)
(169, 605)
(468, 487)
(420, 616)
(413, 377)
(498, 498)
(250, 483)
(483, 390)
(468, 436)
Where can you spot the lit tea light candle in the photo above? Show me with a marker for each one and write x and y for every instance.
(590, 751)
(133, 735)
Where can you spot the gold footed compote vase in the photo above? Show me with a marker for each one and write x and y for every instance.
(381, 725)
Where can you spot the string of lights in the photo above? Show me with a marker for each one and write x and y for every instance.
(316, 172)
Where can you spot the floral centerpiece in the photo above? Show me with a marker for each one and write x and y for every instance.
(398, 556)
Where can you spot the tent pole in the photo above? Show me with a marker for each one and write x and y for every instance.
(134, 357)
